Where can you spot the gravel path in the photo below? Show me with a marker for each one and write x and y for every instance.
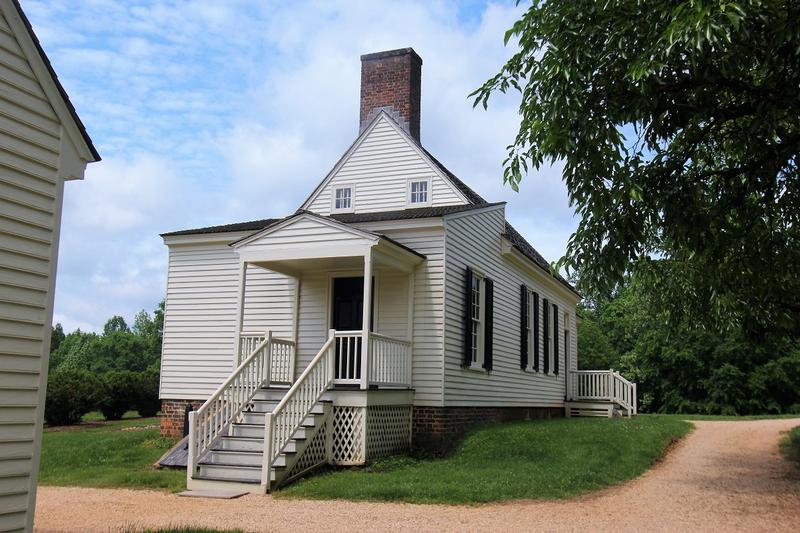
(725, 476)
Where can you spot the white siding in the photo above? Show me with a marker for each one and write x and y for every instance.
(475, 241)
(379, 168)
(30, 209)
(200, 317)
(428, 310)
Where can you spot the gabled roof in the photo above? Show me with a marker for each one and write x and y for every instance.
(469, 195)
(346, 218)
(520, 243)
(57, 83)
(252, 225)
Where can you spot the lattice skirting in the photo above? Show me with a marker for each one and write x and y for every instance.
(314, 455)
(388, 430)
(361, 434)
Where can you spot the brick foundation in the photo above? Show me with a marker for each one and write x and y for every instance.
(172, 415)
(438, 429)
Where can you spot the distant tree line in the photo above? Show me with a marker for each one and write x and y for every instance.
(685, 365)
(113, 372)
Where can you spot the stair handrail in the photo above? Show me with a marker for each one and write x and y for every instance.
(227, 403)
(623, 392)
(287, 417)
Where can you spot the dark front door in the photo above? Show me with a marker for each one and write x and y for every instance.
(348, 312)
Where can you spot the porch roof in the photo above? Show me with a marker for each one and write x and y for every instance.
(308, 242)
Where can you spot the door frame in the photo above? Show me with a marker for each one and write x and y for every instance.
(353, 274)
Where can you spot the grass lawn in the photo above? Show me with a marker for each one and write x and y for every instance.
(117, 454)
(97, 416)
(556, 458)
(791, 445)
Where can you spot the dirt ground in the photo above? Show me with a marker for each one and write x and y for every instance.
(725, 476)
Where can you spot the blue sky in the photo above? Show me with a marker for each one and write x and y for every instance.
(215, 112)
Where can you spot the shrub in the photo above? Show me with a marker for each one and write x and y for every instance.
(147, 402)
(119, 393)
(71, 394)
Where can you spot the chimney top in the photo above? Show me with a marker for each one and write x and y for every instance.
(391, 81)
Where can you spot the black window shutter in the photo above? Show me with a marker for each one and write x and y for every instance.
(468, 318)
(536, 331)
(523, 327)
(555, 338)
(488, 324)
(546, 324)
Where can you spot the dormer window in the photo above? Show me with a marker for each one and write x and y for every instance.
(343, 198)
(419, 192)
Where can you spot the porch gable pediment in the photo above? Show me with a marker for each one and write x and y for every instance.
(304, 236)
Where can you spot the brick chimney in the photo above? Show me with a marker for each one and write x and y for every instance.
(391, 81)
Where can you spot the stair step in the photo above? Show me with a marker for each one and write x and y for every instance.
(263, 406)
(249, 444)
(258, 418)
(232, 472)
(233, 457)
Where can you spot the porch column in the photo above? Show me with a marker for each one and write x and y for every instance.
(295, 326)
(240, 313)
(367, 313)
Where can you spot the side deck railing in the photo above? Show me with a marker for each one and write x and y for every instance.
(604, 385)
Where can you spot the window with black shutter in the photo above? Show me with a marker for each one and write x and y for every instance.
(468, 339)
(488, 324)
(555, 339)
(477, 310)
(546, 327)
(536, 331)
(524, 325)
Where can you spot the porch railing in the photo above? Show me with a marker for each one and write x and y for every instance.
(227, 403)
(390, 361)
(283, 355)
(347, 348)
(604, 385)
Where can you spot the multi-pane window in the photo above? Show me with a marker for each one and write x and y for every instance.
(476, 316)
(529, 325)
(343, 198)
(418, 191)
(551, 345)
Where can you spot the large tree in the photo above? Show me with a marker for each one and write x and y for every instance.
(677, 124)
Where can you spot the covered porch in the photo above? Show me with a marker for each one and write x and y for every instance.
(369, 325)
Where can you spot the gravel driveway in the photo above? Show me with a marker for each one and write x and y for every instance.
(725, 476)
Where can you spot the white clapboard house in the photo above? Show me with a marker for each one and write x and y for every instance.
(295, 361)
(43, 144)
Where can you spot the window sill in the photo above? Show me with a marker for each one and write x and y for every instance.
(476, 368)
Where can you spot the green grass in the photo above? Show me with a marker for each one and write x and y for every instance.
(791, 445)
(97, 416)
(543, 459)
(117, 454)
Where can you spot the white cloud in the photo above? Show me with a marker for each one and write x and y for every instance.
(211, 112)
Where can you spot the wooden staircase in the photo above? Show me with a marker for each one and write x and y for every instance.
(602, 393)
(236, 460)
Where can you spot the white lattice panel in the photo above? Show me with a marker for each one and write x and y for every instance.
(388, 430)
(348, 435)
(314, 454)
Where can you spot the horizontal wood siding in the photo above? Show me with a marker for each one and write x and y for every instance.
(379, 168)
(200, 316)
(475, 241)
(30, 204)
(428, 335)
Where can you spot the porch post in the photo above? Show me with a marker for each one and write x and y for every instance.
(410, 325)
(367, 313)
(240, 313)
(295, 328)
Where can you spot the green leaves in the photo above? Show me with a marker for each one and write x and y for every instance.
(708, 95)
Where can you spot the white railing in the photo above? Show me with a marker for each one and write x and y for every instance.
(282, 361)
(288, 415)
(347, 354)
(604, 385)
(390, 361)
(247, 344)
(227, 403)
